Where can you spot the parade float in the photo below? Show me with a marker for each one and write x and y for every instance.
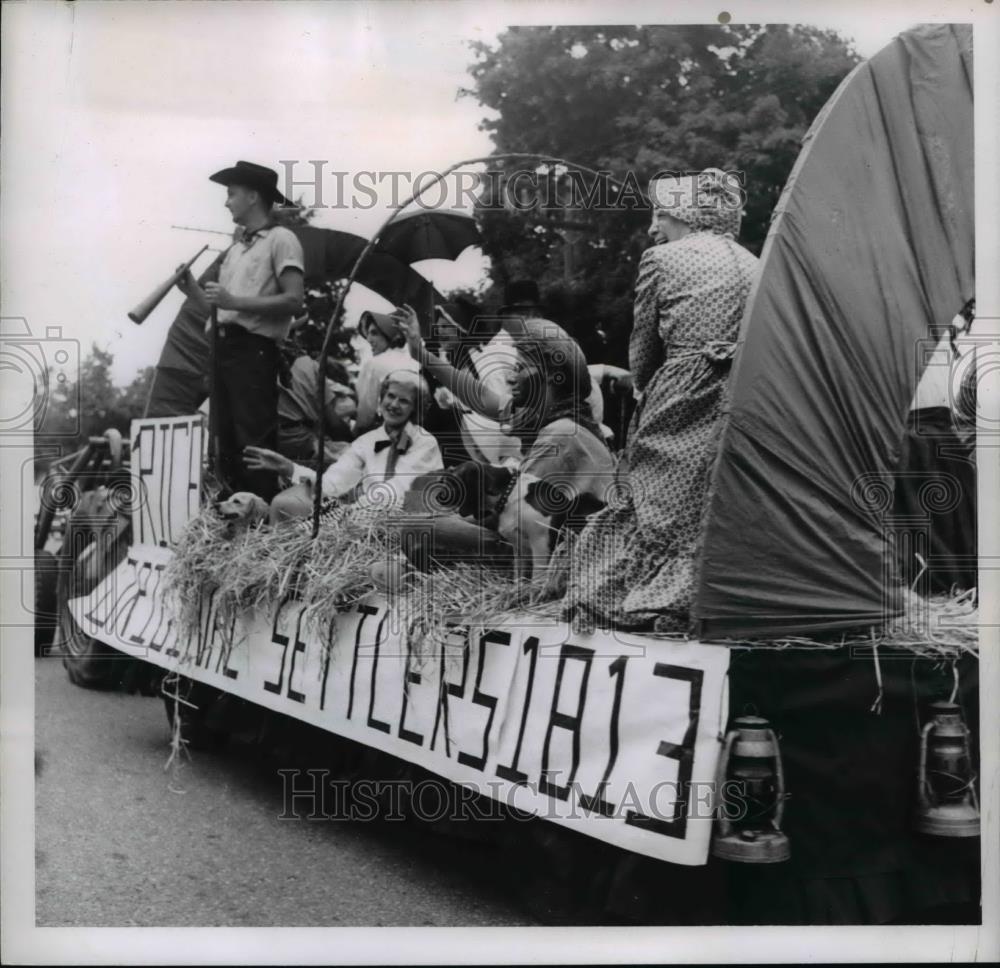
(809, 754)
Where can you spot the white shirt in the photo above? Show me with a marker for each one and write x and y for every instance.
(364, 465)
(253, 269)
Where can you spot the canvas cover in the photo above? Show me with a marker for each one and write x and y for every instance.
(869, 257)
(181, 380)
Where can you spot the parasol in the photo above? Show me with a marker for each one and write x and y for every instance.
(422, 234)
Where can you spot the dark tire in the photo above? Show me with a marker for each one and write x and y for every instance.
(193, 707)
(46, 600)
(96, 542)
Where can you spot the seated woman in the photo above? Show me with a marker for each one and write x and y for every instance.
(562, 455)
(376, 470)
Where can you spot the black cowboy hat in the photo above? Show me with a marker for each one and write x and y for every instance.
(256, 177)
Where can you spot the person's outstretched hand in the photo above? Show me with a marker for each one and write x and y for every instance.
(262, 459)
(408, 319)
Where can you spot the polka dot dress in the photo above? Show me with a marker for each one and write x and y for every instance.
(633, 564)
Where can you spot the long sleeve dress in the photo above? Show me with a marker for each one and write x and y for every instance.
(633, 565)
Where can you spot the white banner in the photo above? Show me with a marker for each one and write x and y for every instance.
(615, 736)
(166, 458)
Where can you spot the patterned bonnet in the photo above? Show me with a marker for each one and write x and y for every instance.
(710, 200)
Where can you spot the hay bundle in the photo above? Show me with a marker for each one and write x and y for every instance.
(248, 567)
(467, 595)
(939, 627)
(257, 568)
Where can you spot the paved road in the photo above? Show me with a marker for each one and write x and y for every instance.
(122, 842)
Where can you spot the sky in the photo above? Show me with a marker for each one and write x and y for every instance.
(114, 115)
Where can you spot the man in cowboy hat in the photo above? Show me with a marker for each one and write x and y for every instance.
(259, 291)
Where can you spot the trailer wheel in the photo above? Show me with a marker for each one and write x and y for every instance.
(46, 599)
(96, 542)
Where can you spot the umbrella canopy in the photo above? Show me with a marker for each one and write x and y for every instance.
(330, 254)
(869, 257)
(421, 235)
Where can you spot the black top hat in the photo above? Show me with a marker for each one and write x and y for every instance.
(521, 294)
(256, 177)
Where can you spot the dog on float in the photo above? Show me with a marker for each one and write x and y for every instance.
(243, 510)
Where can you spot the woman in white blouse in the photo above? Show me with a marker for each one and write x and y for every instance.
(376, 470)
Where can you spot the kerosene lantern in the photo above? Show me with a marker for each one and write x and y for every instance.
(750, 767)
(946, 791)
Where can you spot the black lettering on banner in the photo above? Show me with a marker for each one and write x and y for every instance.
(446, 689)
(110, 587)
(217, 638)
(597, 802)
(124, 599)
(145, 570)
(364, 611)
(512, 773)
(167, 481)
(203, 651)
(327, 659)
(194, 464)
(155, 643)
(160, 612)
(278, 639)
(410, 678)
(480, 698)
(164, 483)
(122, 623)
(157, 608)
(144, 446)
(226, 651)
(565, 721)
(372, 721)
(683, 753)
(158, 645)
(173, 459)
(297, 648)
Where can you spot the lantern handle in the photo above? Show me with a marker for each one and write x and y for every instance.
(923, 794)
(725, 825)
(973, 776)
(968, 749)
(779, 771)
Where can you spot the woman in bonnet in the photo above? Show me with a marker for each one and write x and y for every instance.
(634, 562)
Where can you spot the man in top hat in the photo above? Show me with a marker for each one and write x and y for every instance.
(259, 291)
(523, 299)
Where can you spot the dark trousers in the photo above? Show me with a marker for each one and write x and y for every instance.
(432, 541)
(247, 400)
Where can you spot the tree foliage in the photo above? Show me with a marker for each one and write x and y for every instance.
(92, 404)
(634, 100)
